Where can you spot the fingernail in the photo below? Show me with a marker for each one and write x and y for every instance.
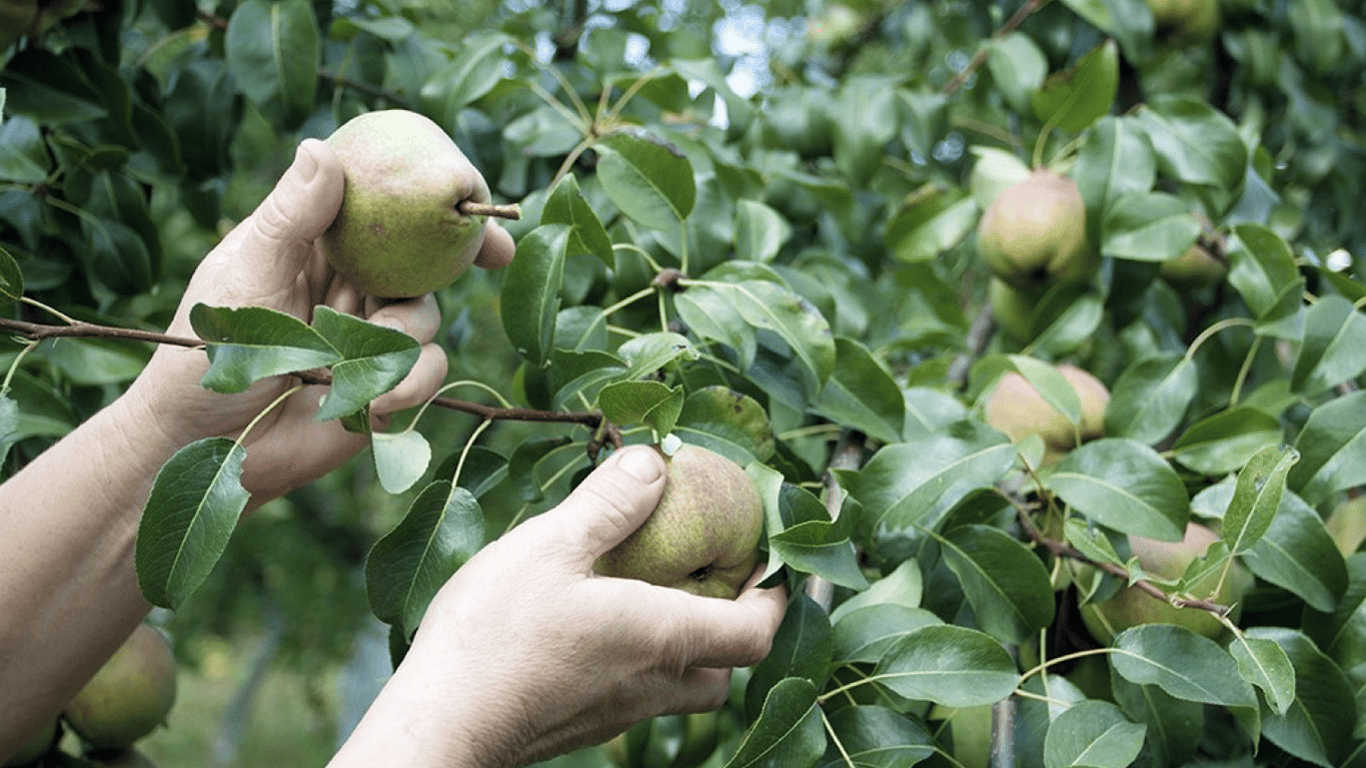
(304, 164)
(642, 464)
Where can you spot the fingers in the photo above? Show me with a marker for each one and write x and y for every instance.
(606, 507)
(727, 633)
(498, 248)
(418, 386)
(299, 209)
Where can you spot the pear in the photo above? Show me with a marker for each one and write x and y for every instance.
(1034, 233)
(1012, 308)
(1167, 560)
(1194, 269)
(130, 696)
(399, 232)
(1016, 408)
(703, 537)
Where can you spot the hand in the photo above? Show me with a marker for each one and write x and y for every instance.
(526, 653)
(270, 259)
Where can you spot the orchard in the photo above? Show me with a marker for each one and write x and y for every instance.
(1036, 326)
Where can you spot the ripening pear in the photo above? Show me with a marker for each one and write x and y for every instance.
(1167, 560)
(703, 537)
(399, 232)
(1034, 233)
(130, 696)
(1016, 408)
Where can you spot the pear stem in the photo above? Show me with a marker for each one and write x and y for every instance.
(471, 208)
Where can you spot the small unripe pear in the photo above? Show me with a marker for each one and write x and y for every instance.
(399, 232)
(1016, 408)
(703, 537)
(1034, 233)
(131, 694)
(1012, 308)
(1167, 560)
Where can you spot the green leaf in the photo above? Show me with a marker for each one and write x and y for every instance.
(1184, 664)
(1018, 67)
(801, 649)
(821, 548)
(1175, 726)
(760, 231)
(1115, 161)
(917, 482)
(1331, 352)
(1074, 99)
(1195, 143)
(196, 500)
(1257, 496)
(1006, 584)
(1124, 485)
(1148, 226)
(567, 205)
(648, 179)
(374, 360)
(950, 665)
(1092, 733)
(443, 528)
(1262, 269)
(788, 731)
(903, 586)
(1332, 446)
(531, 291)
(471, 73)
(273, 50)
(247, 344)
(11, 280)
(1298, 554)
(23, 155)
(728, 422)
(1265, 664)
(1318, 725)
(861, 393)
(642, 402)
(865, 635)
(401, 458)
(859, 144)
(1150, 397)
(876, 737)
(930, 224)
(1223, 442)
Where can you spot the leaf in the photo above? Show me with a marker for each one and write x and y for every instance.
(903, 586)
(1006, 584)
(567, 205)
(1332, 446)
(760, 231)
(443, 528)
(1092, 733)
(1318, 725)
(1195, 143)
(23, 157)
(876, 737)
(11, 280)
(1226, 440)
(401, 458)
(1298, 554)
(1072, 100)
(1331, 352)
(1262, 269)
(642, 402)
(1256, 497)
(1265, 664)
(1124, 485)
(859, 145)
(195, 502)
(248, 344)
(866, 634)
(821, 548)
(801, 649)
(531, 291)
(1150, 397)
(374, 360)
(273, 50)
(728, 422)
(930, 225)
(862, 394)
(1018, 67)
(917, 482)
(1184, 664)
(648, 179)
(788, 731)
(471, 73)
(1114, 161)
(1175, 726)
(1148, 226)
(950, 665)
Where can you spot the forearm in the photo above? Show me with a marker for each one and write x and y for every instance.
(68, 591)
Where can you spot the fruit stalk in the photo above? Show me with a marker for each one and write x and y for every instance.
(471, 208)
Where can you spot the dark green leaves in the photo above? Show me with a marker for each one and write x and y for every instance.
(949, 665)
(273, 51)
(247, 344)
(649, 180)
(531, 293)
(1124, 485)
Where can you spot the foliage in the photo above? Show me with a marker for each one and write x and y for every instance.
(753, 227)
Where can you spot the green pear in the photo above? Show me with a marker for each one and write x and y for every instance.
(1034, 233)
(130, 695)
(38, 744)
(1012, 308)
(1194, 269)
(1016, 408)
(1347, 524)
(1167, 560)
(399, 232)
(703, 537)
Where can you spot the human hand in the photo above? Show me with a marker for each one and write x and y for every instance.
(271, 259)
(526, 653)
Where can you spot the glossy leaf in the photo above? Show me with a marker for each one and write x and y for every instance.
(1262, 270)
(1331, 352)
(876, 737)
(247, 344)
(1182, 663)
(787, 732)
(1074, 99)
(949, 665)
(1006, 584)
(1332, 446)
(862, 394)
(401, 458)
(374, 360)
(1194, 142)
(1265, 664)
(531, 291)
(728, 422)
(196, 500)
(865, 635)
(1124, 485)
(1115, 161)
(1317, 726)
(1150, 398)
(1298, 554)
(1227, 440)
(649, 180)
(904, 586)
(642, 402)
(1148, 226)
(1256, 498)
(567, 205)
(273, 49)
(1092, 733)
(760, 231)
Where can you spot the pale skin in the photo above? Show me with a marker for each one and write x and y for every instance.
(68, 521)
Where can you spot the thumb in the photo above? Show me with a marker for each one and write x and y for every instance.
(613, 501)
(298, 210)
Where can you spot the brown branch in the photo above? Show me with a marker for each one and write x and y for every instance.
(365, 88)
(981, 56)
(41, 332)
